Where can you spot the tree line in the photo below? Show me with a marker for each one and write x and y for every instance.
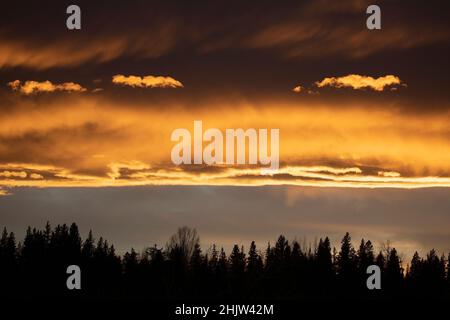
(37, 266)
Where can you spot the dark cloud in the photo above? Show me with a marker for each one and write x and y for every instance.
(234, 47)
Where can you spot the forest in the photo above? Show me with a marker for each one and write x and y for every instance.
(181, 269)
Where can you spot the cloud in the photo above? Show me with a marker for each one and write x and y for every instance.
(147, 81)
(96, 141)
(325, 28)
(301, 89)
(298, 29)
(20, 175)
(298, 89)
(389, 174)
(13, 174)
(30, 87)
(54, 50)
(357, 82)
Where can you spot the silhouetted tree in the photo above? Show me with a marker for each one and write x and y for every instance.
(394, 271)
(432, 274)
(183, 243)
(365, 258)
(448, 270)
(222, 266)
(347, 264)
(37, 267)
(237, 261)
(214, 260)
(254, 260)
(324, 265)
(415, 271)
(365, 255)
(8, 262)
(221, 274)
(87, 250)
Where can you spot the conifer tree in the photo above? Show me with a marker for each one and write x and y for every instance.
(254, 261)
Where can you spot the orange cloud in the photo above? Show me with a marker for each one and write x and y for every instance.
(301, 89)
(30, 87)
(357, 81)
(147, 81)
(298, 89)
(13, 174)
(92, 141)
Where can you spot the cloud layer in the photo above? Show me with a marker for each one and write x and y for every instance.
(153, 29)
(94, 141)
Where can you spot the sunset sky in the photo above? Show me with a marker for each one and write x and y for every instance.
(356, 109)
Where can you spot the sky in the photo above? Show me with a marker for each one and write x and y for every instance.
(363, 115)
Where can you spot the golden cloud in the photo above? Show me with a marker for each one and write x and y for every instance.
(13, 174)
(357, 81)
(30, 87)
(20, 174)
(143, 174)
(301, 89)
(147, 81)
(298, 89)
(90, 141)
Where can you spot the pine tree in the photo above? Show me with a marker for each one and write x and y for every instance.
(394, 271)
(196, 258)
(48, 233)
(323, 257)
(448, 270)
(74, 237)
(380, 261)
(270, 257)
(214, 260)
(130, 261)
(296, 250)
(237, 261)
(416, 268)
(8, 250)
(88, 248)
(347, 264)
(323, 266)
(3, 240)
(254, 261)
(346, 258)
(365, 257)
(282, 250)
(222, 266)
